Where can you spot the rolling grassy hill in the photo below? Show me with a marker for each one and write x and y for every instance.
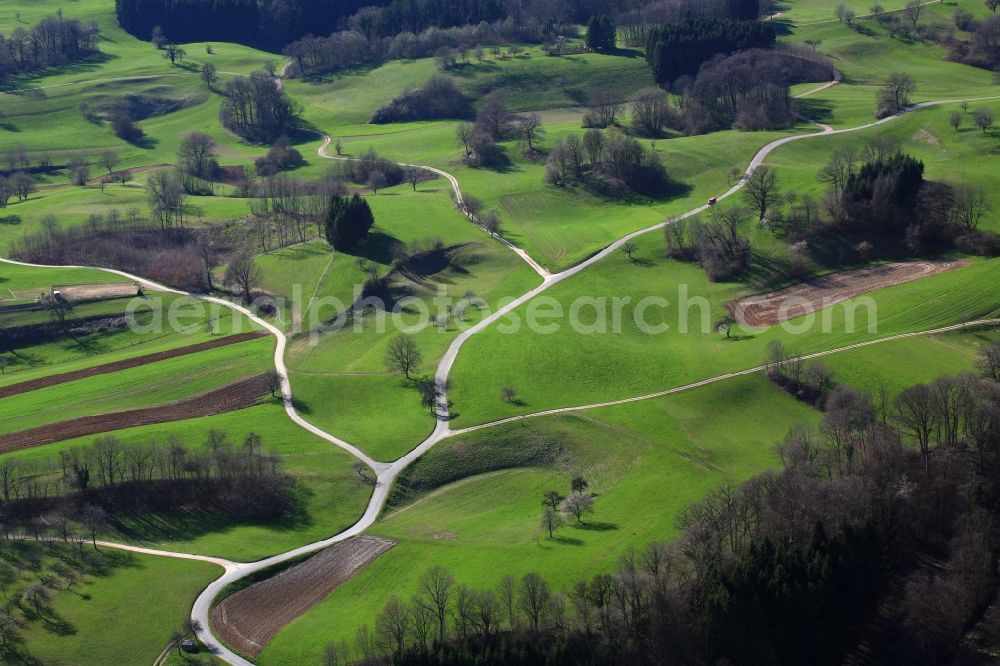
(471, 503)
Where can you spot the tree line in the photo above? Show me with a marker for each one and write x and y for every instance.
(636, 23)
(748, 90)
(881, 193)
(52, 41)
(271, 23)
(877, 203)
(344, 49)
(275, 23)
(109, 481)
(677, 49)
(789, 567)
(606, 160)
(256, 108)
(438, 98)
(176, 256)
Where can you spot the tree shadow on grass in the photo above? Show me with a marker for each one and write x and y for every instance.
(56, 624)
(596, 526)
(301, 406)
(782, 27)
(567, 541)
(814, 109)
(379, 247)
(194, 523)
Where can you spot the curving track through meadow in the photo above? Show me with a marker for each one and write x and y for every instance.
(388, 471)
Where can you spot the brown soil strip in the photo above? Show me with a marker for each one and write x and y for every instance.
(244, 393)
(94, 292)
(246, 620)
(828, 290)
(62, 378)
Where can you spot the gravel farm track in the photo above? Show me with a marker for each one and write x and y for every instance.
(387, 472)
(249, 618)
(53, 380)
(244, 393)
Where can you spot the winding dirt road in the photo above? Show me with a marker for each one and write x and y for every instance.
(387, 472)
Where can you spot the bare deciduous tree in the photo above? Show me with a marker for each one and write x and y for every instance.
(435, 588)
(494, 117)
(464, 134)
(603, 110)
(109, 159)
(916, 412)
(912, 12)
(628, 248)
(983, 119)
(761, 190)
(578, 504)
(551, 520)
(403, 356)
(392, 626)
(244, 272)
(530, 129)
(534, 597)
(969, 205)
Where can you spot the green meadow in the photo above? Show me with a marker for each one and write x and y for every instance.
(472, 503)
(328, 497)
(645, 461)
(127, 614)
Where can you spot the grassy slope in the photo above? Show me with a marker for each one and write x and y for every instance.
(329, 495)
(126, 616)
(14, 278)
(865, 61)
(964, 156)
(665, 452)
(340, 378)
(159, 322)
(44, 115)
(567, 368)
(158, 383)
(899, 364)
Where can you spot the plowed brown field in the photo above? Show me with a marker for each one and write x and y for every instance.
(249, 618)
(52, 380)
(822, 292)
(244, 393)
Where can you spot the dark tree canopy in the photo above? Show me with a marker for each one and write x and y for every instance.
(257, 108)
(884, 191)
(438, 98)
(52, 41)
(277, 22)
(348, 222)
(601, 34)
(677, 49)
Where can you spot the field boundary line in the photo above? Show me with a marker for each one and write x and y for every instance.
(719, 378)
(387, 472)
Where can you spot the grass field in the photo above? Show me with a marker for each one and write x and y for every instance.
(329, 497)
(565, 368)
(472, 503)
(963, 156)
(144, 386)
(663, 451)
(473, 500)
(157, 323)
(122, 607)
(340, 378)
